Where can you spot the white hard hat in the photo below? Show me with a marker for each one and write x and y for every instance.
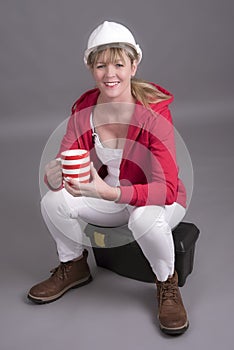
(111, 33)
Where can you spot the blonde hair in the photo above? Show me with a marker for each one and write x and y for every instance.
(142, 90)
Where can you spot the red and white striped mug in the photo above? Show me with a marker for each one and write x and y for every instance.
(76, 164)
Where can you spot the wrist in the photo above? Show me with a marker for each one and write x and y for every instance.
(113, 194)
(118, 194)
(54, 188)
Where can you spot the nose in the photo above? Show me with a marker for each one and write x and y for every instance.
(110, 70)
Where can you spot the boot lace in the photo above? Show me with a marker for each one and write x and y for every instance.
(168, 291)
(61, 271)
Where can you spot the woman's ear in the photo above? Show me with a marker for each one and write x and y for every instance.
(134, 68)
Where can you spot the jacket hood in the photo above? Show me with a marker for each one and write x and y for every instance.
(89, 99)
(162, 104)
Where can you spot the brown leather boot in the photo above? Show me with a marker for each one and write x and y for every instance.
(71, 274)
(171, 312)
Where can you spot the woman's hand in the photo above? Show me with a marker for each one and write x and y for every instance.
(97, 188)
(53, 173)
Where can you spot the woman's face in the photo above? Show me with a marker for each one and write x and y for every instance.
(113, 76)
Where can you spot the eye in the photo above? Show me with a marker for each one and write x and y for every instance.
(99, 66)
(119, 65)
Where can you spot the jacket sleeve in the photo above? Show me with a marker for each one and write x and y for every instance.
(69, 141)
(162, 171)
(71, 138)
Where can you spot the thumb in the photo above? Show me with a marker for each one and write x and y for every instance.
(93, 171)
(70, 181)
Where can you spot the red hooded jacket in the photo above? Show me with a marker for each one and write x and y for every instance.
(148, 170)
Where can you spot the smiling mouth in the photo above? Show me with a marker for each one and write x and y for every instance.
(111, 84)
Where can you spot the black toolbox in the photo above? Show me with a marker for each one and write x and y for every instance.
(115, 249)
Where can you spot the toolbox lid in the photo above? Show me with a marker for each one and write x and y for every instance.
(184, 236)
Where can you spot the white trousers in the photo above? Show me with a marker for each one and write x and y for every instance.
(66, 217)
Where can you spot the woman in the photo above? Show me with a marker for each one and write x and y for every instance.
(126, 125)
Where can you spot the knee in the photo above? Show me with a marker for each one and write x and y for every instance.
(51, 201)
(143, 219)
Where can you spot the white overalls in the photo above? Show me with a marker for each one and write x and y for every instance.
(66, 217)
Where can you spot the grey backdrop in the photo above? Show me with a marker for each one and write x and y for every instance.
(187, 48)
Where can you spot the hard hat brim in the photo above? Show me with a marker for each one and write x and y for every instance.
(122, 45)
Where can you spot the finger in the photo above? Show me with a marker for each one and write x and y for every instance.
(55, 169)
(52, 166)
(72, 182)
(55, 179)
(75, 185)
(70, 188)
(93, 170)
(53, 163)
(54, 172)
(58, 176)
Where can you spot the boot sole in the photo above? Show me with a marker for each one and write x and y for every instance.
(46, 300)
(174, 331)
